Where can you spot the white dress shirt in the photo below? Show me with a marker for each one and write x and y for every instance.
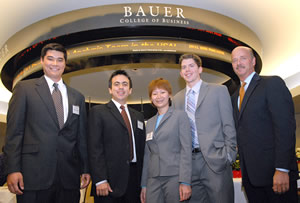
(63, 89)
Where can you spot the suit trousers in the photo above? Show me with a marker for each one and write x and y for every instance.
(162, 189)
(132, 194)
(266, 194)
(208, 186)
(55, 194)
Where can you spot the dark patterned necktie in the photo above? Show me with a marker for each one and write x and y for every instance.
(57, 99)
(126, 120)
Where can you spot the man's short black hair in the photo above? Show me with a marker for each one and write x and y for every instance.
(54, 46)
(119, 72)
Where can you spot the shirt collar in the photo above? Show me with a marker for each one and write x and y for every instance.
(50, 82)
(118, 105)
(196, 87)
(249, 78)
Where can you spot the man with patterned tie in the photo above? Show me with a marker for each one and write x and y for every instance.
(214, 138)
(116, 142)
(46, 135)
(265, 122)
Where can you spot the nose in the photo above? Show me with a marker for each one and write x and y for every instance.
(54, 62)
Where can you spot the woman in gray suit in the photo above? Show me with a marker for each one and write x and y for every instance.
(167, 168)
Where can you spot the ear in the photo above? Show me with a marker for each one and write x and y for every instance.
(253, 61)
(110, 91)
(130, 90)
(200, 69)
(181, 74)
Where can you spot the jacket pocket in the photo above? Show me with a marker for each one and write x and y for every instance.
(30, 148)
(219, 144)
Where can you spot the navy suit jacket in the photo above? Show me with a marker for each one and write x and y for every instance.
(266, 129)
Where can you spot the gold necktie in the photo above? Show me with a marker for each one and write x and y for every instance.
(242, 94)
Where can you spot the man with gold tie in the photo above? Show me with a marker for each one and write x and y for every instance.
(265, 122)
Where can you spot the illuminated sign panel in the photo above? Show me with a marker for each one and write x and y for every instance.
(154, 14)
(133, 46)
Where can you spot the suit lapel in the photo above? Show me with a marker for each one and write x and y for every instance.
(42, 89)
(71, 102)
(116, 113)
(133, 119)
(254, 82)
(203, 92)
(180, 102)
(235, 106)
(164, 118)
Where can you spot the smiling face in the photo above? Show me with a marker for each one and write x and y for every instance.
(53, 64)
(190, 71)
(243, 62)
(120, 88)
(160, 98)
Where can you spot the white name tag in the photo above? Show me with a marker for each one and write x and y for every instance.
(149, 136)
(140, 125)
(75, 109)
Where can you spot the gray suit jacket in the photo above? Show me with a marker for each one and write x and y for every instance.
(36, 146)
(215, 124)
(169, 152)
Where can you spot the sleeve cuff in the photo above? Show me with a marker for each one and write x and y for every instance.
(183, 183)
(283, 170)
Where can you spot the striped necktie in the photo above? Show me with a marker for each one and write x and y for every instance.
(191, 107)
(57, 99)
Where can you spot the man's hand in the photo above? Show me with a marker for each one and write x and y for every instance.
(143, 195)
(103, 189)
(185, 191)
(15, 183)
(85, 180)
(281, 182)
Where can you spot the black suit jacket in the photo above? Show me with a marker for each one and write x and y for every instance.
(266, 130)
(108, 146)
(36, 146)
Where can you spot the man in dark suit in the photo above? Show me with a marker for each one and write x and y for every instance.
(116, 147)
(45, 144)
(265, 123)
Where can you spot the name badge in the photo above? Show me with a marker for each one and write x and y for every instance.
(140, 125)
(75, 109)
(149, 136)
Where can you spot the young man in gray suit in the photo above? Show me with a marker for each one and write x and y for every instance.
(45, 145)
(213, 133)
